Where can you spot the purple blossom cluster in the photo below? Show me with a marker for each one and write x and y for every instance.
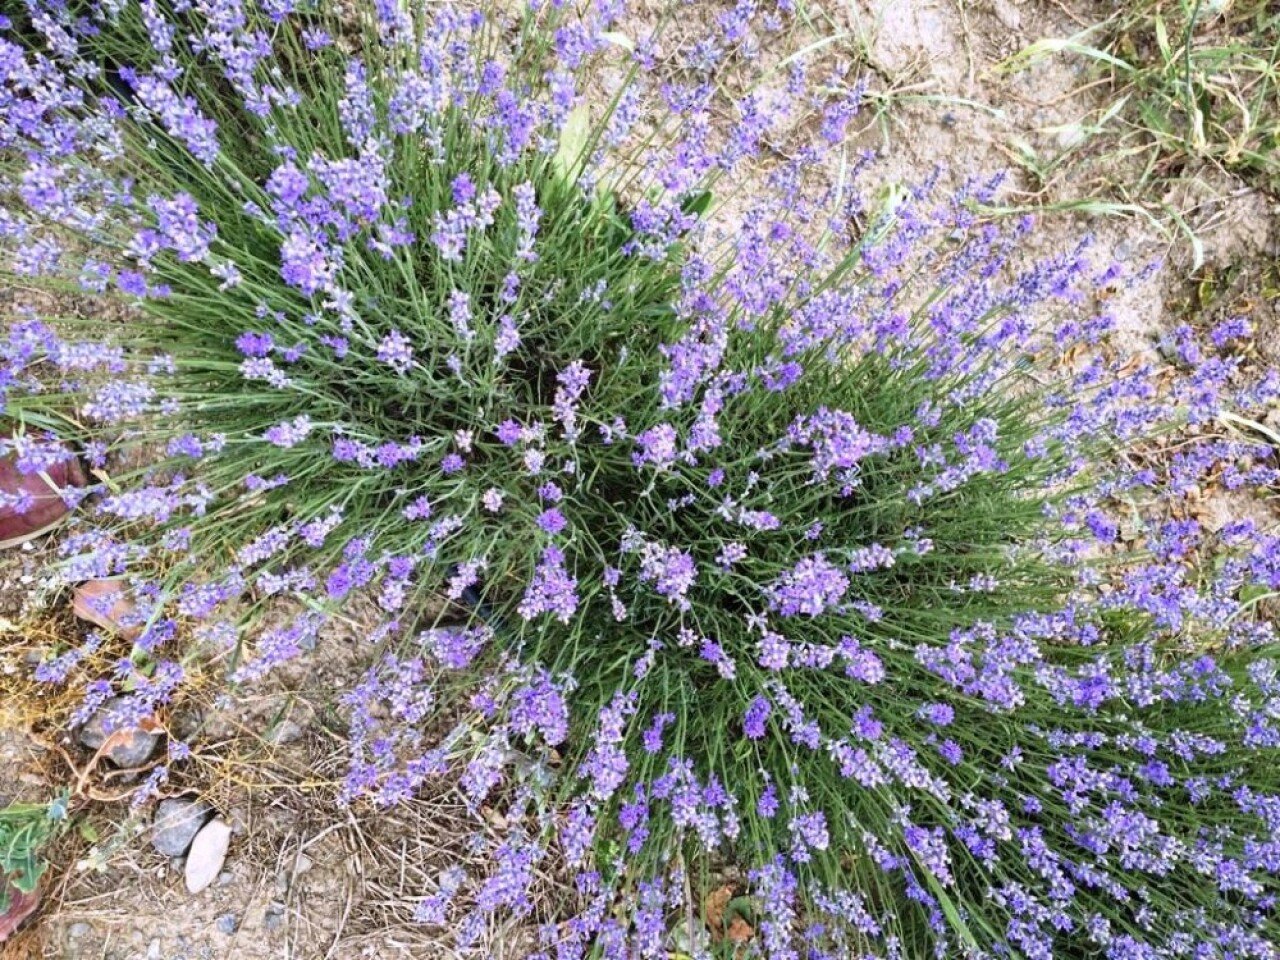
(793, 544)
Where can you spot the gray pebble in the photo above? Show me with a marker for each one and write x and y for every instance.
(78, 930)
(227, 923)
(176, 823)
(274, 918)
(286, 731)
(129, 751)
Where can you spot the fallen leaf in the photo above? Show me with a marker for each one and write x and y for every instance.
(740, 931)
(713, 906)
(1131, 366)
(46, 508)
(106, 603)
(21, 906)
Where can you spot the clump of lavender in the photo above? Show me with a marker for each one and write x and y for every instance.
(787, 547)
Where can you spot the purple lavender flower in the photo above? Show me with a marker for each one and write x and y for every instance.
(552, 589)
(811, 587)
(540, 707)
(836, 440)
(671, 570)
(657, 446)
(290, 433)
(552, 521)
(753, 723)
(460, 314)
(396, 352)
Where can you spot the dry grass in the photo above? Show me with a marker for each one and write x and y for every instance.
(1187, 114)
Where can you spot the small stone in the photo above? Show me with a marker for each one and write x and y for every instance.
(185, 723)
(79, 929)
(153, 950)
(1010, 17)
(129, 748)
(1124, 250)
(208, 853)
(1070, 135)
(227, 924)
(274, 918)
(226, 878)
(176, 823)
(286, 731)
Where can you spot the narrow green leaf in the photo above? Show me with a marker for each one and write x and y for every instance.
(570, 154)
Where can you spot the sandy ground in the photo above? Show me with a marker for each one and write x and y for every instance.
(307, 880)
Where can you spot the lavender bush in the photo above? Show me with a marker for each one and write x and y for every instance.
(711, 529)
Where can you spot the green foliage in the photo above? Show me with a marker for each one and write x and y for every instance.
(25, 830)
(1190, 82)
(1204, 83)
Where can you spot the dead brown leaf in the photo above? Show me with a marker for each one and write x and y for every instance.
(21, 906)
(740, 931)
(105, 603)
(713, 906)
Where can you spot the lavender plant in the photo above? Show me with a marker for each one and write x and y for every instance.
(710, 528)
